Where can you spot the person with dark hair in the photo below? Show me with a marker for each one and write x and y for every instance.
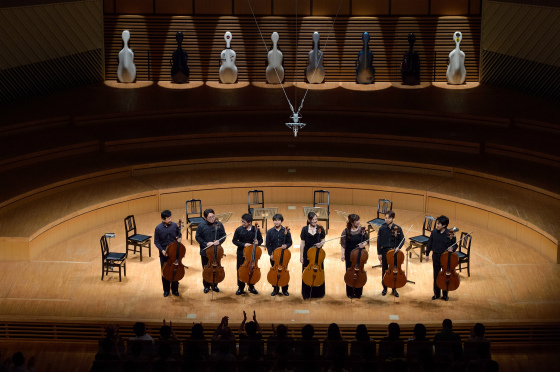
(333, 332)
(197, 332)
(419, 332)
(353, 237)
(307, 332)
(362, 333)
(446, 333)
(252, 329)
(208, 234)
(18, 365)
(223, 332)
(477, 332)
(393, 335)
(166, 233)
(140, 333)
(311, 235)
(243, 237)
(277, 237)
(389, 236)
(441, 240)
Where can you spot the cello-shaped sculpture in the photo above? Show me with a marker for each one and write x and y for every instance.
(365, 72)
(228, 69)
(315, 72)
(126, 72)
(275, 58)
(179, 67)
(410, 66)
(456, 72)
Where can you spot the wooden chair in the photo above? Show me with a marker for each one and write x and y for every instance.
(111, 260)
(194, 216)
(255, 198)
(421, 241)
(383, 206)
(134, 239)
(464, 253)
(321, 199)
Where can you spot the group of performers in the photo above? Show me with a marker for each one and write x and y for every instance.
(354, 240)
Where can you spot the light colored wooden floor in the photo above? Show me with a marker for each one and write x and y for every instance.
(509, 282)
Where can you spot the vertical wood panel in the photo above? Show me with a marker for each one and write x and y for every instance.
(260, 7)
(370, 7)
(135, 6)
(219, 7)
(502, 225)
(174, 7)
(439, 207)
(409, 202)
(339, 196)
(213, 197)
(112, 213)
(369, 197)
(407, 7)
(472, 215)
(288, 7)
(330, 7)
(450, 8)
(176, 200)
(143, 205)
(300, 195)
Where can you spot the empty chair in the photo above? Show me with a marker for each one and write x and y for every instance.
(111, 260)
(321, 199)
(194, 216)
(255, 199)
(383, 206)
(421, 241)
(464, 253)
(134, 239)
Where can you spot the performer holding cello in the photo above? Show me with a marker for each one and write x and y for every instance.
(167, 232)
(311, 235)
(244, 236)
(207, 234)
(277, 237)
(352, 237)
(389, 236)
(440, 241)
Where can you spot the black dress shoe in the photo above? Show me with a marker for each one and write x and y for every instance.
(206, 289)
(435, 297)
(165, 294)
(274, 293)
(253, 290)
(395, 293)
(239, 292)
(215, 288)
(285, 293)
(384, 292)
(445, 298)
(175, 293)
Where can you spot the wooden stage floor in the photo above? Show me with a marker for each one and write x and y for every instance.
(509, 282)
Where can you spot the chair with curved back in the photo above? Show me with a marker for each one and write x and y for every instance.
(464, 252)
(111, 260)
(383, 206)
(421, 241)
(134, 239)
(194, 216)
(322, 199)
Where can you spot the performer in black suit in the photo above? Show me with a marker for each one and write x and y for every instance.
(276, 237)
(167, 232)
(205, 235)
(389, 236)
(244, 237)
(440, 241)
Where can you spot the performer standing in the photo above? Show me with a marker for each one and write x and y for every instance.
(352, 237)
(309, 238)
(244, 236)
(389, 236)
(277, 237)
(440, 241)
(167, 232)
(205, 235)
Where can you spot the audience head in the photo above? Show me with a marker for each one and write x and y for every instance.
(165, 332)
(251, 328)
(227, 333)
(139, 329)
(307, 332)
(362, 333)
(333, 333)
(479, 330)
(420, 332)
(18, 359)
(447, 324)
(394, 331)
(281, 331)
(197, 332)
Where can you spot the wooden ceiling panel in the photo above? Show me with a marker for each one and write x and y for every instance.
(288, 7)
(174, 7)
(370, 7)
(450, 8)
(407, 7)
(330, 7)
(134, 6)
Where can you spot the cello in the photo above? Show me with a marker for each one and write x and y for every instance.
(214, 271)
(449, 280)
(278, 276)
(356, 276)
(314, 274)
(250, 272)
(173, 269)
(394, 276)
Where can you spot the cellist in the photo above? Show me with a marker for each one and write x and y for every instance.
(205, 235)
(389, 236)
(440, 241)
(167, 232)
(276, 237)
(310, 237)
(351, 238)
(244, 236)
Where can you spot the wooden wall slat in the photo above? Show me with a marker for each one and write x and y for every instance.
(204, 43)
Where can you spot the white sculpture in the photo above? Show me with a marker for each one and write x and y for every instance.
(228, 69)
(275, 58)
(315, 71)
(456, 72)
(126, 71)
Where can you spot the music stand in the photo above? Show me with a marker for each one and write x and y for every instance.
(406, 274)
(343, 215)
(264, 214)
(322, 213)
(223, 217)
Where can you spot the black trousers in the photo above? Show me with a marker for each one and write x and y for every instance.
(384, 265)
(284, 288)
(436, 262)
(240, 260)
(167, 285)
(204, 261)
